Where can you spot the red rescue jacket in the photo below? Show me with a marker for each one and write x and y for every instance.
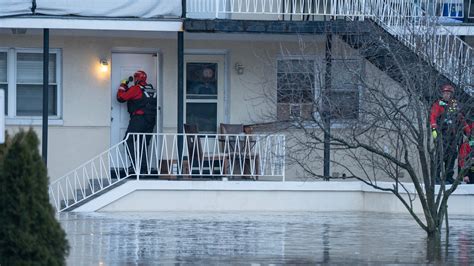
(134, 93)
(465, 151)
(440, 115)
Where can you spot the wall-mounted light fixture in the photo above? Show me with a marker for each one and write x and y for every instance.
(104, 65)
(239, 68)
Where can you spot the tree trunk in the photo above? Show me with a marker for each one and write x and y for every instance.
(433, 246)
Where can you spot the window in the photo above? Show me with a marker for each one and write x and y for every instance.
(295, 88)
(344, 102)
(21, 76)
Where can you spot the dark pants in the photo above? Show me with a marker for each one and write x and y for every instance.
(448, 148)
(140, 124)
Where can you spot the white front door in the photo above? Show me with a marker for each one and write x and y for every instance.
(123, 66)
(204, 87)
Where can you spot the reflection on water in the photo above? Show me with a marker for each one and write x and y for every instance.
(251, 237)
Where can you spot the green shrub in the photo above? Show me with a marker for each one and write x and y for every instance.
(29, 231)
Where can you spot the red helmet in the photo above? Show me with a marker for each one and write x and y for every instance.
(448, 88)
(139, 76)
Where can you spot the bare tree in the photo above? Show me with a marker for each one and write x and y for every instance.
(369, 97)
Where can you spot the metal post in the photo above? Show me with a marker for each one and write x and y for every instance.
(44, 139)
(326, 106)
(181, 85)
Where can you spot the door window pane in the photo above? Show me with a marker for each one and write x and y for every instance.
(201, 80)
(204, 115)
(30, 100)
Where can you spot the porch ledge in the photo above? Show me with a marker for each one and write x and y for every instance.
(260, 196)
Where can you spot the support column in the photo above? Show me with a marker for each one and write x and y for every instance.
(180, 82)
(326, 106)
(44, 139)
(180, 90)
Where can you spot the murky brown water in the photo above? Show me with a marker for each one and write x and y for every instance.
(262, 238)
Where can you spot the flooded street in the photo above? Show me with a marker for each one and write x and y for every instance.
(252, 237)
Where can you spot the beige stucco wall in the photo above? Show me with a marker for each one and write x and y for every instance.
(86, 95)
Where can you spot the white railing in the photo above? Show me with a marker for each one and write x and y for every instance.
(172, 156)
(352, 8)
(224, 8)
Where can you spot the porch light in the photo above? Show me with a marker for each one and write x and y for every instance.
(239, 68)
(104, 65)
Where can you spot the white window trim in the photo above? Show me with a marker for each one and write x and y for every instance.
(335, 123)
(11, 117)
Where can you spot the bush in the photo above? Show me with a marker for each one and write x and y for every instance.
(29, 231)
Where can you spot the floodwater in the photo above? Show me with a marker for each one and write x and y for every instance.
(258, 238)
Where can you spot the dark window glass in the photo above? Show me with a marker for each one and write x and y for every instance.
(201, 80)
(204, 115)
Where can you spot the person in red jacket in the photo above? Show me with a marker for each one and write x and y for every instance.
(141, 105)
(447, 121)
(466, 157)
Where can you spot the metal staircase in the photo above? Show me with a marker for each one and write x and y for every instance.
(427, 38)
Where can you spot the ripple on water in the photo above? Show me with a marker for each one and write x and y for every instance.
(253, 237)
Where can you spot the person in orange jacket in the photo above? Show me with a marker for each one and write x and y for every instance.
(466, 155)
(141, 105)
(447, 121)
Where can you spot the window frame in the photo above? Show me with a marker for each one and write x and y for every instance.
(11, 118)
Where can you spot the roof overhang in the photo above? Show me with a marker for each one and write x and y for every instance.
(91, 24)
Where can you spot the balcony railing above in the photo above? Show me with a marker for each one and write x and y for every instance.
(301, 9)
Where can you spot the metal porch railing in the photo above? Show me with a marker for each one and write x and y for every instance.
(171, 156)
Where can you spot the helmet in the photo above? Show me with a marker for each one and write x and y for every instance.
(139, 76)
(448, 88)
